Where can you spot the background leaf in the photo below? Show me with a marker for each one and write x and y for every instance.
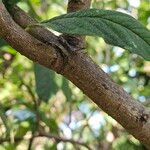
(2, 43)
(45, 84)
(116, 28)
(50, 122)
(9, 3)
(66, 89)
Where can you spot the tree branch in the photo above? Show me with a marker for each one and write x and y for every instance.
(96, 84)
(24, 20)
(84, 73)
(25, 43)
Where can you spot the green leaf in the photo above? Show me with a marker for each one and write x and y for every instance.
(116, 28)
(2, 43)
(45, 83)
(66, 89)
(22, 129)
(50, 122)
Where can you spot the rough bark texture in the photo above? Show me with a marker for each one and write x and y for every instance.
(75, 5)
(78, 67)
(109, 96)
(25, 43)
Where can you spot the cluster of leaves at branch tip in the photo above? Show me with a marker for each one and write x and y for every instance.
(116, 28)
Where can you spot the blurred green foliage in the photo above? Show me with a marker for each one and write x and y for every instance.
(66, 111)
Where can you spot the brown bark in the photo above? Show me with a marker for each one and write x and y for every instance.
(75, 5)
(83, 72)
(25, 43)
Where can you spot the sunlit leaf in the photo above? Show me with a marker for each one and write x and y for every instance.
(23, 128)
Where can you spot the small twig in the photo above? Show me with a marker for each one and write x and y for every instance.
(4, 120)
(62, 139)
(31, 142)
(2, 140)
(36, 105)
(56, 138)
(29, 90)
